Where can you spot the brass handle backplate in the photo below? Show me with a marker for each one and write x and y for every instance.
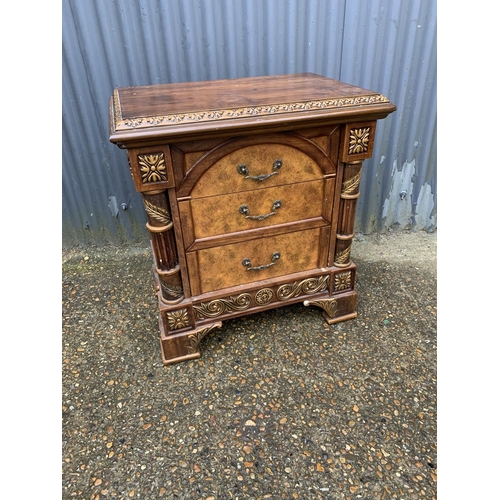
(244, 210)
(243, 170)
(248, 264)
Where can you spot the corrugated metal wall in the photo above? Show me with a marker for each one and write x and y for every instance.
(387, 46)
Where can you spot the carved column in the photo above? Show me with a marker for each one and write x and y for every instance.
(347, 213)
(166, 260)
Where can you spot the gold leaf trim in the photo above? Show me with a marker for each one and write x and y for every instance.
(172, 290)
(225, 114)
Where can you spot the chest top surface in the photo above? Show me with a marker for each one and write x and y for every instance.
(178, 109)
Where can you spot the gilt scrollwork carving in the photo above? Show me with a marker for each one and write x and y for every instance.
(307, 286)
(217, 307)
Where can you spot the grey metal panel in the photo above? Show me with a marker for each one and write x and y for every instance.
(111, 43)
(391, 47)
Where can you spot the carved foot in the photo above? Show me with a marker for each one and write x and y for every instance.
(184, 346)
(334, 310)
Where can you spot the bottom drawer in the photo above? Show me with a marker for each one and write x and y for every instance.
(240, 263)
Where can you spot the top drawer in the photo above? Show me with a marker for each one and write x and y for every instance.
(256, 162)
(255, 167)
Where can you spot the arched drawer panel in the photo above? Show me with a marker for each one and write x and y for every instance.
(259, 162)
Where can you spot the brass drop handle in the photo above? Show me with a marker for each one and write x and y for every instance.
(243, 170)
(244, 210)
(248, 264)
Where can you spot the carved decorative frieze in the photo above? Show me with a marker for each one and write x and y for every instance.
(152, 167)
(307, 286)
(217, 307)
(178, 319)
(359, 139)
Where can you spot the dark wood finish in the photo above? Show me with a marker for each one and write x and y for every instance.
(235, 172)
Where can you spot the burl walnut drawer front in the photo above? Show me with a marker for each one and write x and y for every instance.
(219, 215)
(258, 166)
(230, 265)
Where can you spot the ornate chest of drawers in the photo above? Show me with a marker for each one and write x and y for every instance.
(249, 187)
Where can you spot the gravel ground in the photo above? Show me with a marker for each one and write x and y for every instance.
(280, 405)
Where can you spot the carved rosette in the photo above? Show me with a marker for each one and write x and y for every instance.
(152, 167)
(264, 296)
(359, 140)
(342, 281)
(178, 319)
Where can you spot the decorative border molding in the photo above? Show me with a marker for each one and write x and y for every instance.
(226, 114)
(261, 297)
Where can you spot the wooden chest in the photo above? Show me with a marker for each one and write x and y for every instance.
(250, 188)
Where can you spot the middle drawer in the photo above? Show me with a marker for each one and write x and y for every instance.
(218, 215)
